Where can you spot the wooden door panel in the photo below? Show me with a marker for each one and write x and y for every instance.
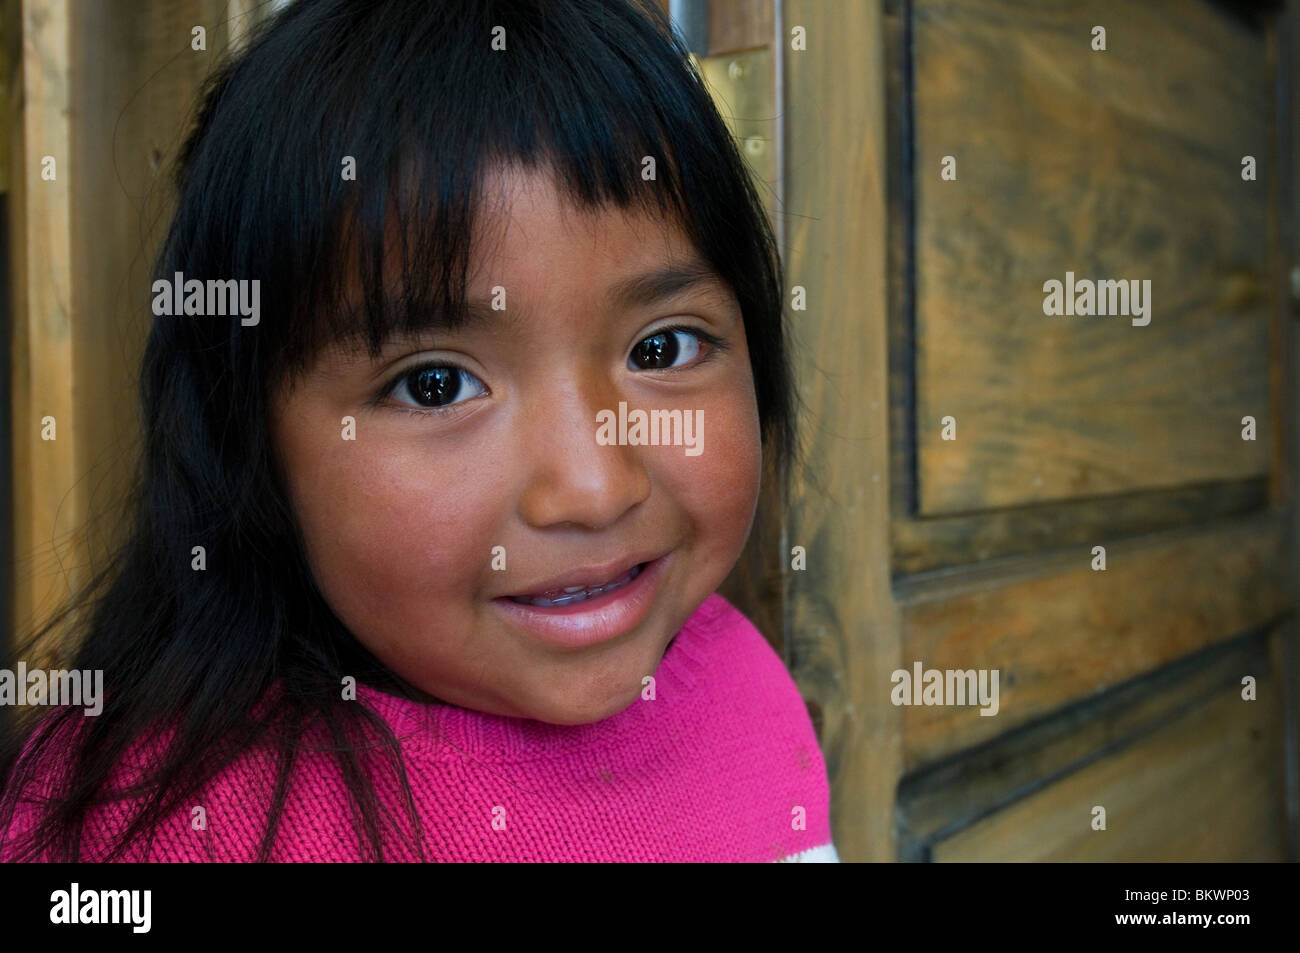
(1204, 786)
(1078, 431)
(1067, 631)
(1109, 165)
(1171, 756)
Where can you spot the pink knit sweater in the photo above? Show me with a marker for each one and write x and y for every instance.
(722, 765)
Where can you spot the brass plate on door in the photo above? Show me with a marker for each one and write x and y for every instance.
(742, 88)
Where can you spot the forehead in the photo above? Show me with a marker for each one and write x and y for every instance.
(526, 228)
(542, 248)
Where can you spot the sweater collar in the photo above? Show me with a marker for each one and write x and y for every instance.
(453, 732)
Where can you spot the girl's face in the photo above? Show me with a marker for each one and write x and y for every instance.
(480, 471)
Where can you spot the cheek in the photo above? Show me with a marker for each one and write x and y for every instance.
(719, 488)
(395, 537)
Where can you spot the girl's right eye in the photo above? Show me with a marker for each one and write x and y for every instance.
(434, 387)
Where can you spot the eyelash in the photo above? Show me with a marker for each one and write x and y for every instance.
(716, 346)
(715, 343)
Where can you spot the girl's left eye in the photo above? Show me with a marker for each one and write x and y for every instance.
(663, 349)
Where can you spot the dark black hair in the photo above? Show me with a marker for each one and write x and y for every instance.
(413, 91)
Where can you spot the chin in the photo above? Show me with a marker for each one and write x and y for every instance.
(573, 710)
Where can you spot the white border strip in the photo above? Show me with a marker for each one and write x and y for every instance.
(825, 854)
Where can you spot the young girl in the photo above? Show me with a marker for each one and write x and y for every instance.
(409, 578)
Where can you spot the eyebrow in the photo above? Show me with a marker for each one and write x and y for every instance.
(655, 286)
(641, 290)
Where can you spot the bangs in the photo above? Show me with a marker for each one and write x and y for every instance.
(343, 157)
(414, 98)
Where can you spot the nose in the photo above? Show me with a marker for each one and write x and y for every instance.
(571, 478)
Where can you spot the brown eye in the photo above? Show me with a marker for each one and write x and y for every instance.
(433, 386)
(664, 348)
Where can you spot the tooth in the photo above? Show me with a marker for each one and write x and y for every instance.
(571, 594)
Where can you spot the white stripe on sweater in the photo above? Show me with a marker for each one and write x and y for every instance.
(825, 854)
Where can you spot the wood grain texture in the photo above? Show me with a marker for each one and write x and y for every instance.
(1281, 383)
(1062, 631)
(1288, 54)
(1204, 787)
(842, 624)
(946, 798)
(108, 89)
(1284, 656)
(736, 25)
(1284, 55)
(47, 527)
(927, 546)
(1090, 162)
(10, 56)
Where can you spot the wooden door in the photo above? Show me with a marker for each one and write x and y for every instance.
(1098, 507)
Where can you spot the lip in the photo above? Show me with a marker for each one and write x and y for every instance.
(595, 620)
(589, 575)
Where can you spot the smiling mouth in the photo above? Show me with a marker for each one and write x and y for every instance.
(571, 594)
